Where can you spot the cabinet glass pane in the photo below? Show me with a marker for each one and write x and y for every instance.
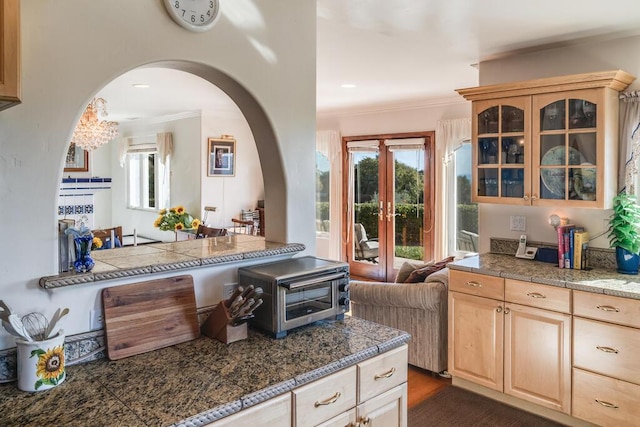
(552, 116)
(585, 144)
(487, 182)
(552, 183)
(512, 119)
(488, 151)
(552, 150)
(512, 150)
(582, 114)
(512, 182)
(583, 182)
(488, 121)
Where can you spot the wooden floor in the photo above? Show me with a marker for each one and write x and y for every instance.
(422, 384)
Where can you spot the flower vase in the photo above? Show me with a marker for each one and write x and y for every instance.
(83, 263)
(627, 262)
(40, 363)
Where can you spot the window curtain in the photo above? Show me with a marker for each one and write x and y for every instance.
(450, 134)
(629, 150)
(328, 143)
(164, 144)
(123, 149)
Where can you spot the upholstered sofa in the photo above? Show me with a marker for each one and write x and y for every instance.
(417, 308)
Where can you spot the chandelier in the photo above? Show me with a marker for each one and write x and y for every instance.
(90, 132)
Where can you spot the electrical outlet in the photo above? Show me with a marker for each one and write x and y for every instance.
(227, 290)
(96, 319)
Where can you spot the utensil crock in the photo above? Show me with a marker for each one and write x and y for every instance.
(41, 364)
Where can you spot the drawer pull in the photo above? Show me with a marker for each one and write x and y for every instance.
(607, 404)
(535, 295)
(607, 349)
(387, 374)
(329, 401)
(608, 308)
(474, 284)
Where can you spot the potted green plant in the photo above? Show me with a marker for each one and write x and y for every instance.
(624, 232)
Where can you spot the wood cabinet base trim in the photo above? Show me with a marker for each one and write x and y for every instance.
(520, 404)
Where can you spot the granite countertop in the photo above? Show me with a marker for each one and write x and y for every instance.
(197, 382)
(597, 280)
(161, 257)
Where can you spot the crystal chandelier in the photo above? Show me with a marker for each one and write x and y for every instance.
(90, 132)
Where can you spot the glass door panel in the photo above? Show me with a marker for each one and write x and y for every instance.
(488, 151)
(406, 216)
(512, 119)
(488, 182)
(512, 182)
(512, 150)
(366, 207)
(488, 120)
(585, 145)
(583, 182)
(553, 183)
(552, 116)
(582, 114)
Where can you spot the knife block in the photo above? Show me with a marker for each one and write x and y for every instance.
(217, 326)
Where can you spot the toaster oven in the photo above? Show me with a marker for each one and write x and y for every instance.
(297, 291)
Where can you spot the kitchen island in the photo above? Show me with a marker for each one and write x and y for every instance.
(200, 381)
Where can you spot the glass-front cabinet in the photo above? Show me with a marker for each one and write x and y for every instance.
(547, 142)
(501, 150)
(568, 147)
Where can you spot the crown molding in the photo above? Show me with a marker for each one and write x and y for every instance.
(391, 107)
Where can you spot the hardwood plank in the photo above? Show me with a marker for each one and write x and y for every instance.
(423, 384)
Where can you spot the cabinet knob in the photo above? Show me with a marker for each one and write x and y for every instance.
(507, 310)
(499, 310)
(526, 197)
(534, 197)
(364, 421)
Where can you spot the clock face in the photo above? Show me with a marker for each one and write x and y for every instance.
(194, 15)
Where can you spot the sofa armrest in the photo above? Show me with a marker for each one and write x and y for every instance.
(423, 295)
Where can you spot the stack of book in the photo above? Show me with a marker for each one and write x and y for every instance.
(573, 243)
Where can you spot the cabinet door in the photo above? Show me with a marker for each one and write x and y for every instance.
(501, 150)
(9, 53)
(537, 361)
(568, 148)
(388, 409)
(476, 328)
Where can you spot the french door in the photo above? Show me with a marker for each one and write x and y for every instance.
(388, 200)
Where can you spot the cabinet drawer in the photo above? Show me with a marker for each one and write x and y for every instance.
(321, 400)
(537, 295)
(276, 411)
(605, 401)
(607, 349)
(476, 284)
(382, 373)
(623, 311)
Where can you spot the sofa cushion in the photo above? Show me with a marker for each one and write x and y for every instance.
(421, 274)
(407, 268)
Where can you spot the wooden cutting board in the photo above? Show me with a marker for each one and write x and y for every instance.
(146, 316)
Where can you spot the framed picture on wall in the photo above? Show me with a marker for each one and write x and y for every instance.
(77, 159)
(222, 157)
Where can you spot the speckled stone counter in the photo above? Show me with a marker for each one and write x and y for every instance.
(197, 382)
(604, 281)
(153, 258)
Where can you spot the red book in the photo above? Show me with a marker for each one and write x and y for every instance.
(562, 248)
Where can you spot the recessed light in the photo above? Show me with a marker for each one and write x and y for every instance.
(348, 85)
(141, 85)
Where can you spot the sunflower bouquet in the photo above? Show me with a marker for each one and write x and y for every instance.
(174, 219)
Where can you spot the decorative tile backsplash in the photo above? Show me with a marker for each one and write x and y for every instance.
(76, 198)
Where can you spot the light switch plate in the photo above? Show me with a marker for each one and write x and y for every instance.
(518, 223)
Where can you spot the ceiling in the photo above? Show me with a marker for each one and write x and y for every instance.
(395, 52)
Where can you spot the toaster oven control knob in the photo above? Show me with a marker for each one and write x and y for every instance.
(343, 287)
(344, 301)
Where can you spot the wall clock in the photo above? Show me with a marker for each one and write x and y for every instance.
(194, 15)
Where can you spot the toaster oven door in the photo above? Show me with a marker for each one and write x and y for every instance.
(307, 300)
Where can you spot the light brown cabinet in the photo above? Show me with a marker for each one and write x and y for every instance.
(9, 53)
(547, 142)
(511, 336)
(606, 367)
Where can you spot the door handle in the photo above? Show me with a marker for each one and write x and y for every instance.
(389, 214)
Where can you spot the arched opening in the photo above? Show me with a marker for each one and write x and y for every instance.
(210, 190)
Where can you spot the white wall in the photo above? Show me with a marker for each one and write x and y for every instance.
(261, 53)
(582, 58)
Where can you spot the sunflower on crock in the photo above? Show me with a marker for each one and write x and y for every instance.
(50, 366)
